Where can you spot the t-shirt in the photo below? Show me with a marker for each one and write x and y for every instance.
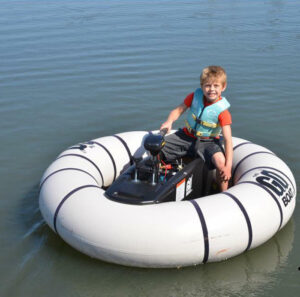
(224, 117)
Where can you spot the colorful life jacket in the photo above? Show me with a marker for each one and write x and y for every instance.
(203, 121)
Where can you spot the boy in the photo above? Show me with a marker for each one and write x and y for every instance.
(207, 117)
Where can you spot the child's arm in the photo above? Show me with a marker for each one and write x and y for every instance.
(226, 173)
(173, 116)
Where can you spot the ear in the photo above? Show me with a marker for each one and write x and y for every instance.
(224, 87)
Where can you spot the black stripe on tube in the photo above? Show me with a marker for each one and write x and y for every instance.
(65, 199)
(204, 230)
(109, 154)
(272, 195)
(87, 159)
(243, 210)
(246, 157)
(66, 169)
(126, 147)
(241, 144)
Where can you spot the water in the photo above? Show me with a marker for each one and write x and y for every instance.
(71, 71)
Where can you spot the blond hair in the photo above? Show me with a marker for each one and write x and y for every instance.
(213, 72)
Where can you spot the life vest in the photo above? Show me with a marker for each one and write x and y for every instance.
(203, 121)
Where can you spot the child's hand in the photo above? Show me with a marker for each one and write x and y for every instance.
(167, 125)
(225, 174)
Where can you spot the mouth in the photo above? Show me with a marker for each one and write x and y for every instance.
(212, 94)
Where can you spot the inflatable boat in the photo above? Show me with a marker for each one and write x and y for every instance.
(114, 199)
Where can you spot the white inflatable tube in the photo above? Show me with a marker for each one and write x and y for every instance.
(171, 234)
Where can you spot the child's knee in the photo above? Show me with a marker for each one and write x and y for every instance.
(218, 160)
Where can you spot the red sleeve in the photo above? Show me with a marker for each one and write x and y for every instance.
(188, 99)
(225, 118)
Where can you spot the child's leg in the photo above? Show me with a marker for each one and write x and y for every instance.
(219, 161)
(177, 145)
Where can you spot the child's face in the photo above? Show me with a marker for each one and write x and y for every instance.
(212, 89)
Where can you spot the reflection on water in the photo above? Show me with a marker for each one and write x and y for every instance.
(252, 271)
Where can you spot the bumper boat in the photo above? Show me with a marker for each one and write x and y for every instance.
(113, 199)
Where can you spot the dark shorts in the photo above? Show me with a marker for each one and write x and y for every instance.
(179, 145)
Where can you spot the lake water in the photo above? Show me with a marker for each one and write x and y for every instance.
(71, 71)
